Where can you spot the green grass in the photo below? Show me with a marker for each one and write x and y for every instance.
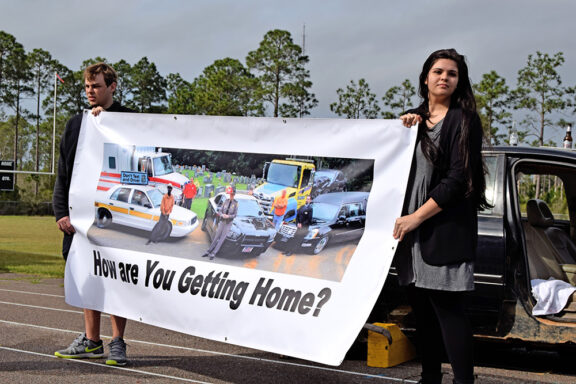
(31, 245)
(200, 203)
(199, 206)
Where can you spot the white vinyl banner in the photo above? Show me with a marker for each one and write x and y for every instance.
(262, 272)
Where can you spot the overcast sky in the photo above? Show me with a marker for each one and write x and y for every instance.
(383, 41)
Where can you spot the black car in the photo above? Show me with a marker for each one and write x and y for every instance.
(251, 231)
(328, 180)
(528, 235)
(336, 217)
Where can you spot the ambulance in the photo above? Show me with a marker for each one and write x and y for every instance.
(157, 165)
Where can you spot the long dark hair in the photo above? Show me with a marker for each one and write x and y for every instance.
(462, 98)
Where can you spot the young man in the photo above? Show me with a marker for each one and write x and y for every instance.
(100, 82)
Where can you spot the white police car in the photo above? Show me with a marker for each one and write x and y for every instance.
(138, 206)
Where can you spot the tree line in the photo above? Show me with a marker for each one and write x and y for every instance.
(539, 93)
(273, 81)
(359, 172)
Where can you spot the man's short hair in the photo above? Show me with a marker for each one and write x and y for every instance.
(110, 75)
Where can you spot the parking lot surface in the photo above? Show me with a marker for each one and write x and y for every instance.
(35, 321)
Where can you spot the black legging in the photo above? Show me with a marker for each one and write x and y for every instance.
(442, 322)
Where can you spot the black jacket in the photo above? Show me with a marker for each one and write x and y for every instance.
(68, 145)
(451, 236)
(304, 215)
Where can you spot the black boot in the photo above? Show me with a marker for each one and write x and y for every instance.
(428, 378)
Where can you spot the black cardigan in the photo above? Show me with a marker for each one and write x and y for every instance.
(451, 236)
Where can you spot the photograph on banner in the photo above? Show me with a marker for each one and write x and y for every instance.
(180, 277)
(291, 214)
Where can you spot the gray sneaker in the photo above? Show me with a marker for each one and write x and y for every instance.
(117, 355)
(82, 348)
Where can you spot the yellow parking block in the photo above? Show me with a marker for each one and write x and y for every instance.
(383, 354)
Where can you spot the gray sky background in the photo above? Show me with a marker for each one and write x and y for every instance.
(383, 41)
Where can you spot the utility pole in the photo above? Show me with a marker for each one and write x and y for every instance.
(304, 39)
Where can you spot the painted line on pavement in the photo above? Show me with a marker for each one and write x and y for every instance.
(47, 308)
(227, 354)
(40, 307)
(32, 293)
(107, 366)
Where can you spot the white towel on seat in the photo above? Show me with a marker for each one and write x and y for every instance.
(551, 296)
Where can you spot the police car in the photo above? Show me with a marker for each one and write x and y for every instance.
(138, 206)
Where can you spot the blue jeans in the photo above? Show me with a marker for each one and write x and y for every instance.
(277, 221)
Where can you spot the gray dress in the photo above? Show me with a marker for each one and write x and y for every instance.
(412, 269)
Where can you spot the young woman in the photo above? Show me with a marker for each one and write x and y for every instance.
(438, 229)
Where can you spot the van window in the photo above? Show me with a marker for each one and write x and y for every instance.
(491, 190)
(149, 167)
(354, 209)
(111, 162)
(306, 177)
(142, 164)
(363, 208)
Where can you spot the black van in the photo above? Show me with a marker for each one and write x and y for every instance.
(529, 234)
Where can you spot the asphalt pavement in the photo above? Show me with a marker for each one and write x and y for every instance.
(35, 321)
(330, 264)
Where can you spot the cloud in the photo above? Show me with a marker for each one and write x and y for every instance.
(381, 41)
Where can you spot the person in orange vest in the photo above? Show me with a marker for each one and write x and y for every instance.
(167, 203)
(162, 229)
(189, 193)
(279, 209)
